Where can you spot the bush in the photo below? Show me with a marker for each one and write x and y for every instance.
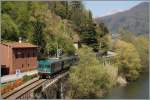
(26, 78)
(89, 77)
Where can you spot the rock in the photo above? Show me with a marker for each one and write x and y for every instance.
(121, 81)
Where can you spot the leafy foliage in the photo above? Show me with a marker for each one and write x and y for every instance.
(10, 30)
(141, 44)
(89, 78)
(128, 60)
(36, 23)
(49, 23)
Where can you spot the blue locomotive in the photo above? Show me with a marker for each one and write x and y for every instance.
(47, 68)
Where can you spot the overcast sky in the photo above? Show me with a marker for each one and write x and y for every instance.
(103, 8)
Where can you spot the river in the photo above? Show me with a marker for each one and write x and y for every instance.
(135, 90)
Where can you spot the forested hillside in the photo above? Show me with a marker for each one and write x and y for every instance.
(134, 20)
(51, 24)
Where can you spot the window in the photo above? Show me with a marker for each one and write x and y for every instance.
(34, 52)
(28, 54)
(19, 53)
(16, 55)
(28, 65)
(22, 55)
(22, 65)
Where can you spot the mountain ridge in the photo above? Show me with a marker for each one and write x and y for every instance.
(132, 20)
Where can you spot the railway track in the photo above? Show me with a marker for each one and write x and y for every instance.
(20, 91)
(24, 91)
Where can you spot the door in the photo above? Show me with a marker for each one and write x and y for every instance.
(4, 70)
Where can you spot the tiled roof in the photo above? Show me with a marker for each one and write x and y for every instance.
(19, 45)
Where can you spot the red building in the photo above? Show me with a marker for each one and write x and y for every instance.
(17, 56)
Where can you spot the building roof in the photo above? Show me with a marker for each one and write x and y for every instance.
(19, 45)
(111, 54)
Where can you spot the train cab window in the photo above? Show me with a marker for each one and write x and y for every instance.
(39, 65)
(53, 65)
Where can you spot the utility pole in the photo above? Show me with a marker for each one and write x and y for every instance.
(57, 55)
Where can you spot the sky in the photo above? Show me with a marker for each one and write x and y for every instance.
(103, 8)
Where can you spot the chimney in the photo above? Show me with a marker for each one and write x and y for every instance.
(20, 39)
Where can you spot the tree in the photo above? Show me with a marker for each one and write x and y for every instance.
(38, 25)
(126, 36)
(103, 37)
(10, 30)
(128, 60)
(50, 31)
(88, 34)
(20, 14)
(141, 44)
(89, 78)
(76, 9)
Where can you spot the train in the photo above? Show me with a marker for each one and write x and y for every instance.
(47, 68)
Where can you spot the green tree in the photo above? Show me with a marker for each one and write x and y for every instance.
(20, 14)
(10, 30)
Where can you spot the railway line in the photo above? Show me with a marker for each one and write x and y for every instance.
(24, 91)
(20, 92)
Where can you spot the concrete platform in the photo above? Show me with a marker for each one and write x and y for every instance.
(13, 77)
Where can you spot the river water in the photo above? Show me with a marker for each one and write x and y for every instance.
(135, 90)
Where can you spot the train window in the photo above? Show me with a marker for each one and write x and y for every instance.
(53, 65)
(48, 66)
(57, 64)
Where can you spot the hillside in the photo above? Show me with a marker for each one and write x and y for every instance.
(51, 25)
(134, 20)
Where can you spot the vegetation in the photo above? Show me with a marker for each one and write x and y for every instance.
(128, 60)
(27, 78)
(89, 78)
(50, 24)
(141, 44)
